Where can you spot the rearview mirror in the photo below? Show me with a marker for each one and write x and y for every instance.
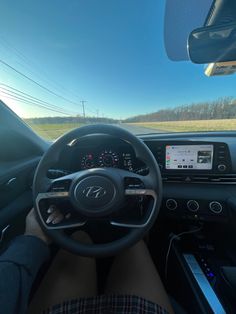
(212, 44)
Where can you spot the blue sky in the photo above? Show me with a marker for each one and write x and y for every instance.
(108, 52)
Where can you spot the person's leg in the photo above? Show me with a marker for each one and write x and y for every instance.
(134, 273)
(68, 277)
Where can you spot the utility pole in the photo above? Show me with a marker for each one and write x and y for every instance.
(83, 102)
(97, 113)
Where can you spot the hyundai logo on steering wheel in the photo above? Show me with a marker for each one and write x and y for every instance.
(94, 192)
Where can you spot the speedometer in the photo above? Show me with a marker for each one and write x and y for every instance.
(88, 162)
(108, 158)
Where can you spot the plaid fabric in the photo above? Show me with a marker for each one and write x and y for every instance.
(111, 304)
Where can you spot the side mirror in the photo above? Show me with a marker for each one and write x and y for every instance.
(212, 44)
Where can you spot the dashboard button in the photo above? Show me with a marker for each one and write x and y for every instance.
(221, 167)
(221, 157)
(171, 204)
(215, 207)
(193, 205)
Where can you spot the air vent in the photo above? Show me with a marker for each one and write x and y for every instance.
(224, 179)
(212, 179)
(57, 173)
(173, 178)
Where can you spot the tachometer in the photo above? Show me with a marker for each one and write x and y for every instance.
(88, 162)
(108, 158)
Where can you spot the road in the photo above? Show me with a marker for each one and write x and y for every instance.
(138, 129)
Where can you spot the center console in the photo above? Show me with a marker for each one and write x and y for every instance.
(198, 269)
(199, 180)
(193, 173)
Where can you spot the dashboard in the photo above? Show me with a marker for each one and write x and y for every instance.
(99, 151)
(198, 171)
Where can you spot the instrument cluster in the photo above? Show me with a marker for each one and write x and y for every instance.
(107, 158)
(99, 151)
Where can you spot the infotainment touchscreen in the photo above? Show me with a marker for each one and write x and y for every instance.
(189, 157)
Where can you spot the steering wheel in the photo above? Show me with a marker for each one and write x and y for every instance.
(97, 194)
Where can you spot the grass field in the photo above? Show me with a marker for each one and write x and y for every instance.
(53, 131)
(191, 126)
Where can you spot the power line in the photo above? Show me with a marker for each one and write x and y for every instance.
(16, 92)
(29, 63)
(35, 104)
(21, 56)
(35, 82)
(28, 101)
(25, 98)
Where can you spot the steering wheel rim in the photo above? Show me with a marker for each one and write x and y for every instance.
(153, 187)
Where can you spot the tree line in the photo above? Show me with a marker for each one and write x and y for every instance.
(69, 120)
(223, 108)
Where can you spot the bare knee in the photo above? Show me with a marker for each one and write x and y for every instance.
(68, 262)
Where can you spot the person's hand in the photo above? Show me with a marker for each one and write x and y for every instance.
(33, 228)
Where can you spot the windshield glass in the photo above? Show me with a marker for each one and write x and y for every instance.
(64, 64)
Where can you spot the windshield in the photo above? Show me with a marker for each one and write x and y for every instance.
(64, 64)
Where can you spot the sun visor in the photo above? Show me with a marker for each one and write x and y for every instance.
(181, 18)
